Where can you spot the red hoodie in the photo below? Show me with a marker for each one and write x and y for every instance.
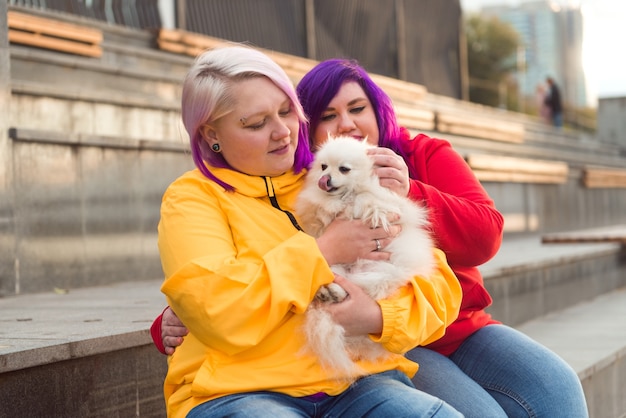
(465, 224)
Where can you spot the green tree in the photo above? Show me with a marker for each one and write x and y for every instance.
(492, 46)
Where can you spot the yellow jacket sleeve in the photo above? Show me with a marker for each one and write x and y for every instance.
(420, 311)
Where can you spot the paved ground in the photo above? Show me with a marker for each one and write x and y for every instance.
(36, 329)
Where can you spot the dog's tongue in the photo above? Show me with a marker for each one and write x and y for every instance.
(324, 183)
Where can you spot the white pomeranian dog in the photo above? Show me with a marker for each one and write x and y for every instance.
(342, 181)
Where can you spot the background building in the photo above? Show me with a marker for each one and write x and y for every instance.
(553, 38)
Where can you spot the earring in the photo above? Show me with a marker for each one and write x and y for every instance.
(215, 147)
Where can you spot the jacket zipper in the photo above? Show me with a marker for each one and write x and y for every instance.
(269, 187)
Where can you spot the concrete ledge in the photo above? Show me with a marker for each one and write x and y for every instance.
(87, 352)
(46, 328)
(59, 138)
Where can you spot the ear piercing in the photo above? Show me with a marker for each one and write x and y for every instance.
(215, 147)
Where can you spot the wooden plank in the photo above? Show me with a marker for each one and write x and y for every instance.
(57, 44)
(607, 234)
(400, 89)
(192, 44)
(480, 128)
(498, 168)
(41, 25)
(51, 34)
(601, 177)
(510, 177)
(415, 118)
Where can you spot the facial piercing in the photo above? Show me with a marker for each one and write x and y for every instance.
(378, 247)
(215, 147)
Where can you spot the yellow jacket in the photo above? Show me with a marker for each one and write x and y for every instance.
(240, 275)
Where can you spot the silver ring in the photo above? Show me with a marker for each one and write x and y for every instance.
(378, 247)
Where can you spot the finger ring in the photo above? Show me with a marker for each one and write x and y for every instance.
(378, 247)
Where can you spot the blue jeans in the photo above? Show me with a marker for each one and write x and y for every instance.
(382, 395)
(500, 372)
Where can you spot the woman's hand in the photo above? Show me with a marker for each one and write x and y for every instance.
(345, 241)
(172, 331)
(358, 313)
(391, 170)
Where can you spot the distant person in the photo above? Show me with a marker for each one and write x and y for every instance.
(553, 101)
(542, 107)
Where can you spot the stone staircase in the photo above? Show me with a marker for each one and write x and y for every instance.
(95, 141)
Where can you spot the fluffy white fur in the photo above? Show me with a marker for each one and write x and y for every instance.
(342, 181)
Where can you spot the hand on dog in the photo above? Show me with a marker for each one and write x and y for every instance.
(345, 241)
(358, 313)
(391, 169)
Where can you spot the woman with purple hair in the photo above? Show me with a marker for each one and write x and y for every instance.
(481, 367)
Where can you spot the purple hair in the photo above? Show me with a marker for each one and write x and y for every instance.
(320, 85)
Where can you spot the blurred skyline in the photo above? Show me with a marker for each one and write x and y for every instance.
(604, 27)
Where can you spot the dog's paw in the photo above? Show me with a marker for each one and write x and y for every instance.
(377, 215)
(331, 293)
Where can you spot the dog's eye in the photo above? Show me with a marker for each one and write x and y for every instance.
(344, 170)
(324, 166)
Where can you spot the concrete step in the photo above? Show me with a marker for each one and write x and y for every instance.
(591, 337)
(528, 279)
(86, 352)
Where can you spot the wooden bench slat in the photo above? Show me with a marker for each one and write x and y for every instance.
(487, 128)
(510, 177)
(514, 164)
(54, 43)
(518, 170)
(601, 177)
(51, 27)
(192, 44)
(51, 34)
(412, 117)
(400, 89)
